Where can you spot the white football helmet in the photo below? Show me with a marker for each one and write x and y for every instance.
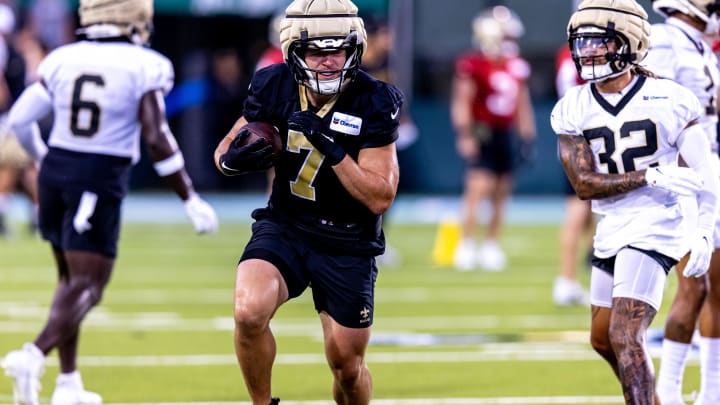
(325, 25)
(704, 10)
(608, 37)
(116, 18)
(496, 32)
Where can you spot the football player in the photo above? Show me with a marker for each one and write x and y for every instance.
(337, 175)
(680, 52)
(620, 137)
(489, 97)
(103, 106)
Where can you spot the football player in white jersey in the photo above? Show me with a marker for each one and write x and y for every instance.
(679, 52)
(106, 93)
(620, 138)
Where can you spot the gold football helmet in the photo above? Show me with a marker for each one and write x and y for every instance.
(496, 32)
(612, 34)
(704, 10)
(117, 18)
(324, 25)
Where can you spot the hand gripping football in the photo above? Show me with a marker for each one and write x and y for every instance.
(266, 131)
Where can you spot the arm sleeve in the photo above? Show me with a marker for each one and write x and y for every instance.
(34, 103)
(695, 150)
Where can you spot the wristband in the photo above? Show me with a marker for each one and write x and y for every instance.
(169, 165)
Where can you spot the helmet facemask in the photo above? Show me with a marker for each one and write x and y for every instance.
(313, 78)
(599, 53)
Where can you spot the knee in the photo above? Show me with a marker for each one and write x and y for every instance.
(349, 372)
(89, 290)
(601, 345)
(249, 320)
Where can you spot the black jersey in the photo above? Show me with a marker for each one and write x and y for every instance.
(305, 190)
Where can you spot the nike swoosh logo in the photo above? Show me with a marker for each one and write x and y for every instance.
(222, 164)
(395, 114)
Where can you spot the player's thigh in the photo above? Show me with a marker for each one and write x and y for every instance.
(8, 178)
(641, 275)
(344, 287)
(62, 211)
(690, 290)
(274, 243)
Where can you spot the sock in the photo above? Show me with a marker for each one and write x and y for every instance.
(72, 379)
(672, 366)
(709, 368)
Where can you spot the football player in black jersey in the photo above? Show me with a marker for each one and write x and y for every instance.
(337, 175)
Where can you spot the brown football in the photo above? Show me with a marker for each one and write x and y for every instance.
(266, 131)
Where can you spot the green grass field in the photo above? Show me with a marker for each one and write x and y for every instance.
(163, 333)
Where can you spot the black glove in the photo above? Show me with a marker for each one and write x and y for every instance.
(241, 158)
(310, 124)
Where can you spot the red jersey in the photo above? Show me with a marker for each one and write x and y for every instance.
(498, 84)
(566, 75)
(271, 56)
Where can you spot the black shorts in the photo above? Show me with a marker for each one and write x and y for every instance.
(496, 152)
(608, 264)
(58, 210)
(342, 285)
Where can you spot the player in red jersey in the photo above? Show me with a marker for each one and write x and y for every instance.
(490, 101)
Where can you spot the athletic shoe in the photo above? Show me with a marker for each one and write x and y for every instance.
(25, 366)
(275, 401)
(465, 258)
(69, 390)
(491, 257)
(569, 292)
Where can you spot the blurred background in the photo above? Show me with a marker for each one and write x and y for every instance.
(215, 46)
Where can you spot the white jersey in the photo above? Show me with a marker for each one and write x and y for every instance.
(96, 89)
(679, 52)
(627, 132)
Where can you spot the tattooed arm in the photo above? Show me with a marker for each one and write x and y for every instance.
(579, 164)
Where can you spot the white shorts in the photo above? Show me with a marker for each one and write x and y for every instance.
(637, 276)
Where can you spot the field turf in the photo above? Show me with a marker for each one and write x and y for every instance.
(163, 332)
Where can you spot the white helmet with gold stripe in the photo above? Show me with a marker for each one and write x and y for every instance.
(116, 18)
(608, 37)
(326, 25)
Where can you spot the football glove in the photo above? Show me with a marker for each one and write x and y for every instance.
(701, 250)
(241, 158)
(679, 180)
(201, 214)
(310, 124)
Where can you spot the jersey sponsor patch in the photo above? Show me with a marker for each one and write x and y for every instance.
(347, 124)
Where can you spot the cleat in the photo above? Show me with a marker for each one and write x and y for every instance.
(69, 390)
(491, 257)
(25, 366)
(275, 401)
(568, 292)
(465, 258)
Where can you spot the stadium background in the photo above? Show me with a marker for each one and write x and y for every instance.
(194, 33)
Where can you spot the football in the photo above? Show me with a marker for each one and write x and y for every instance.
(266, 131)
